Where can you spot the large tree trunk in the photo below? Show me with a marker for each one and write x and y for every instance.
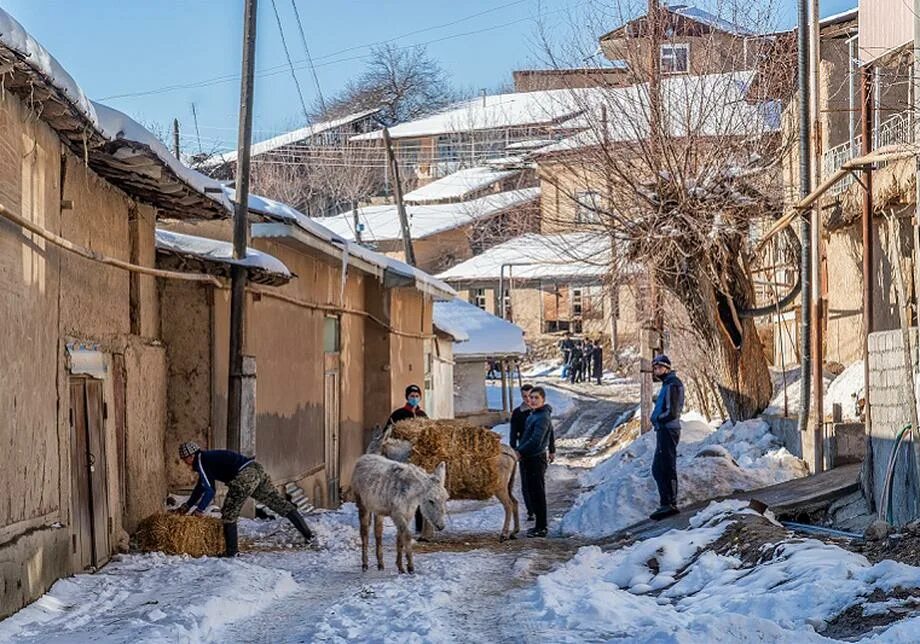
(735, 354)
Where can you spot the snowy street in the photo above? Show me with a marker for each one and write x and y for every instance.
(733, 575)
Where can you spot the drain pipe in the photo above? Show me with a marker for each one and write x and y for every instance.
(805, 231)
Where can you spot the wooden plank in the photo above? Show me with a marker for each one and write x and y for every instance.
(81, 523)
(119, 384)
(98, 468)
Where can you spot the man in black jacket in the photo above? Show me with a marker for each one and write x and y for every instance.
(244, 478)
(597, 357)
(666, 420)
(538, 430)
(516, 433)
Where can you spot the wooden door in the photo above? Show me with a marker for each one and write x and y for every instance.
(81, 499)
(332, 424)
(89, 473)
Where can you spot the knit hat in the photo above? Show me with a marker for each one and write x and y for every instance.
(188, 448)
(413, 389)
(662, 360)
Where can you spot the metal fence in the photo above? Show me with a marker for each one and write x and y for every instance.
(896, 129)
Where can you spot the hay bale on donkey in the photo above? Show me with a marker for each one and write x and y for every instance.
(479, 466)
(176, 534)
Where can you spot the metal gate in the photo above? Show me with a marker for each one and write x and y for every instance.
(89, 474)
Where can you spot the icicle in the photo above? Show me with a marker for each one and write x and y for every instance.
(85, 149)
(344, 274)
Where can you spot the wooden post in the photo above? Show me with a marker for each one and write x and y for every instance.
(241, 231)
(400, 207)
(176, 139)
(868, 476)
(817, 309)
(504, 388)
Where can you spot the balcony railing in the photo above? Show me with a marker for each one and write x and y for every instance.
(896, 129)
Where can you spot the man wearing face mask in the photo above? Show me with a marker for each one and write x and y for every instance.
(412, 409)
(666, 420)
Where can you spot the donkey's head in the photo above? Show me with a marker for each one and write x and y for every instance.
(378, 438)
(383, 443)
(433, 504)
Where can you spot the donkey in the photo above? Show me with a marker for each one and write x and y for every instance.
(382, 487)
(400, 450)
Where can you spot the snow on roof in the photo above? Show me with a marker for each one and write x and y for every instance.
(529, 144)
(291, 216)
(843, 16)
(707, 18)
(489, 336)
(492, 112)
(381, 223)
(550, 257)
(459, 184)
(14, 36)
(294, 136)
(214, 250)
(709, 105)
(117, 126)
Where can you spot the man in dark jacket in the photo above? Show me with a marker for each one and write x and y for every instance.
(516, 433)
(412, 409)
(244, 478)
(576, 363)
(566, 347)
(666, 420)
(597, 358)
(538, 430)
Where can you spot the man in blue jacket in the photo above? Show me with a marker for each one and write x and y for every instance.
(244, 477)
(538, 429)
(666, 420)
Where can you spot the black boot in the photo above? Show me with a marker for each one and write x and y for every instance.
(231, 540)
(294, 517)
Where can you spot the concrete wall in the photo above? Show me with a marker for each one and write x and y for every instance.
(889, 399)
(470, 388)
(50, 297)
(441, 405)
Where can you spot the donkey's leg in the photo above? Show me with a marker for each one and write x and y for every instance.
(410, 563)
(363, 522)
(402, 535)
(505, 499)
(378, 539)
(515, 508)
(427, 531)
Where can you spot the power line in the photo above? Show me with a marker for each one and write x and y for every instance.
(287, 54)
(303, 39)
(273, 71)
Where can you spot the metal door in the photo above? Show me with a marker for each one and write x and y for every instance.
(89, 473)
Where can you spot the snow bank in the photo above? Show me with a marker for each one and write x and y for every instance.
(693, 594)
(561, 401)
(620, 491)
(150, 598)
(842, 390)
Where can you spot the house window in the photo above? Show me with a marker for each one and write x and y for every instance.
(331, 335)
(576, 302)
(478, 297)
(675, 59)
(587, 207)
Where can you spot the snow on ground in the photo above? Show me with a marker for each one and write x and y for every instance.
(620, 491)
(843, 390)
(150, 598)
(698, 595)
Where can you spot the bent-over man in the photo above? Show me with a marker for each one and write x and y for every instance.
(244, 478)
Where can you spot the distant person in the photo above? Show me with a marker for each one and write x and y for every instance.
(666, 420)
(597, 359)
(588, 359)
(493, 367)
(518, 420)
(577, 363)
(532, 451)
(566, 347)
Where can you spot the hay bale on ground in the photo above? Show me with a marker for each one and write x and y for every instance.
(181, 535)
(472, 454)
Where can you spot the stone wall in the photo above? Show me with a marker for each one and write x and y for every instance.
(890, 400)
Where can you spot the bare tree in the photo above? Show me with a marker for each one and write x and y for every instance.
(350, 174)
(681, 170)
(405, 82)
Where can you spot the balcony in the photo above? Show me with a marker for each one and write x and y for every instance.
(893, 130)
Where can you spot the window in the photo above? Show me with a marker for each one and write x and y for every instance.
(331, 335)
(576, 302)
(587, 207)
(675, 59)
(478, 297)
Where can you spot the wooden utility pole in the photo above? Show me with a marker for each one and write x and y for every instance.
(176, 138)
(400, 207)
(241, 230)
(650, 333)
(868, 249)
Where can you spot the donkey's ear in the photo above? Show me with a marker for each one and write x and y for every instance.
(440, 472)
(377, 432)
(387, 431)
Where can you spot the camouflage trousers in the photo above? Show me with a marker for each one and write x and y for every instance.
(253, 481)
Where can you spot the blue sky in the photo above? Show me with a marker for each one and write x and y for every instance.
(116, 47)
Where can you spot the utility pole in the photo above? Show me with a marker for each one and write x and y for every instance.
(241, 230)
(817, 308)
(400, 207)
(176, 138)
(804, 99)
(650, 333)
